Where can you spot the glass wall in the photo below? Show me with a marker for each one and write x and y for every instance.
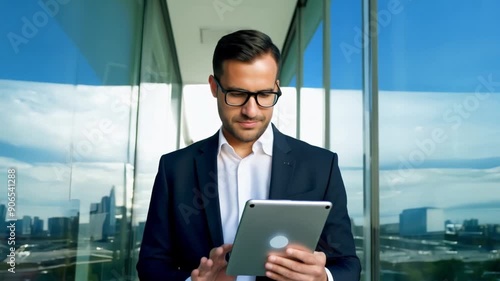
(69, 141)
(158, 119)
(333, 121)
(439, 162)
(312, 94)
(346, 106)
(439, 140)
(285, 111)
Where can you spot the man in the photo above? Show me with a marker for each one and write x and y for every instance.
(200, 191)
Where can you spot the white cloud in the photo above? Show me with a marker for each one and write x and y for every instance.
(433, 113)
(440, 188)
(49, 117)
(410, 121)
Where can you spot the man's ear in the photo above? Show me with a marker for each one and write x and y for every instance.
(278, 82)
(213, 85)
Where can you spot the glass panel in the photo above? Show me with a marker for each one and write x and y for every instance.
(285, 111)
(67, 135)
(159, 116)
(71, 160)
(346, 107)
(439, 136)
(288, 71)
(312, 100)
(198, 101)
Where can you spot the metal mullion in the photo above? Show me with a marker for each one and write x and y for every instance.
(300, 64)
(371, 149)
(326, 69)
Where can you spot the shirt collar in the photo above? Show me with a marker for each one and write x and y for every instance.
(265, 141)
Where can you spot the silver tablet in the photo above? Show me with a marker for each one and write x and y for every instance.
(269, 226)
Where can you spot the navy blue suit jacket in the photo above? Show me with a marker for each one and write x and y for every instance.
(184, 222)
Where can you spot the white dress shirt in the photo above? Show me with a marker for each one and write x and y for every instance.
(241, 179)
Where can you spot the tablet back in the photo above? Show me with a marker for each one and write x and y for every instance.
(269, 226)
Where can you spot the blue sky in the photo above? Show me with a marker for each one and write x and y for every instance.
(423, 46)
(54, 44)
(46, 54)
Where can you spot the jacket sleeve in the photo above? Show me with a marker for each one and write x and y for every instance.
(337, 241)
(157, 253)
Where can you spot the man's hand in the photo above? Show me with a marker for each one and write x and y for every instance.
(297, 264)
(213, 268)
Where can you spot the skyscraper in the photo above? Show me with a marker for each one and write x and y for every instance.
(37, 226)
(3, 216)
(102, 223)
(26, 226)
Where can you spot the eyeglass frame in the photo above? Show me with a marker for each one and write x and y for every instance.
(249, 94)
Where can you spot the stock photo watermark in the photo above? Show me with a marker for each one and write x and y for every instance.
(11, 219)
(200, 199)
(455, 116)
(93, 135)
(31, 25)
(381, 19)
(223, 6)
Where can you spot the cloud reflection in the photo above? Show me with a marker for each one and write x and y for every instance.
(88, 129)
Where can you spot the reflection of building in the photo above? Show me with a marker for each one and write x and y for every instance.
(37, 227)
(23, 226)
(96, 222)
(58, 227)
(66, 226)
(102, 222)
(3, 216)
(63, 227)
(471, 232)
(471, 225)
(26, 225)
(389, 229)
(111, 223)
(421, 222)
(451, 228)
(140, 230)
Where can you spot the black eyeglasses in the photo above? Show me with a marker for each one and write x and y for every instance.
(241, 97)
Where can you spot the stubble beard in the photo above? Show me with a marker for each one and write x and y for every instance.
(242, 134)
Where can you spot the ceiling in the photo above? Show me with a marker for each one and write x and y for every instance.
(198, 24)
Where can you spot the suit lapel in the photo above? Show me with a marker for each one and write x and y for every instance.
(206, 167)
(282, 167)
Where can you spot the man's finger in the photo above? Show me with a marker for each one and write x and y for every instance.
(281, 273)
(218, 255)
(221, 250)
(305, 256)
(285, 262)
(205, 267)
(195, 274)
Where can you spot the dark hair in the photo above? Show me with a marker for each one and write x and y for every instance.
(244, 46)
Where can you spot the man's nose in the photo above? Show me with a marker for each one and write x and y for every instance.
(250, 108)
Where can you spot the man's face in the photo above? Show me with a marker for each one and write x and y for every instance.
(245, 124)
